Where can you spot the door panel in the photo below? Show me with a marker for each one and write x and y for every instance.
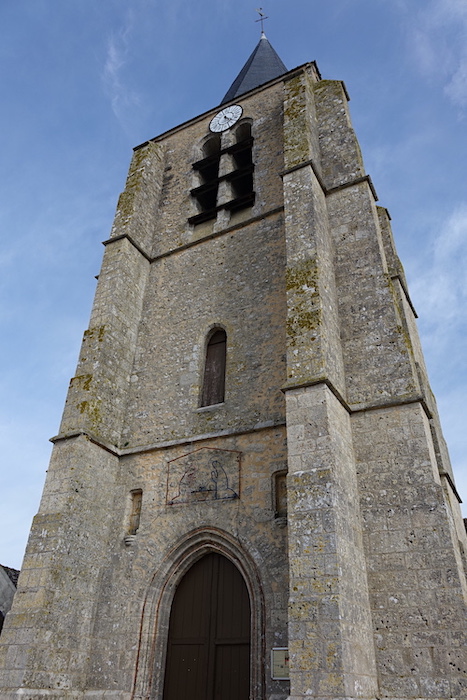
(187, 670)
(208, 652)
(232, 680)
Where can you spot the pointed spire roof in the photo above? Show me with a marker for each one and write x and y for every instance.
(263, 65)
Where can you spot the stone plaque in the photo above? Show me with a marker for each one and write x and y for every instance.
(204, 475)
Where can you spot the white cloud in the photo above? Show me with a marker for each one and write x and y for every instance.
(457, 88)
(441, 286)
(123, 99)
(438, 37)
(439, 291)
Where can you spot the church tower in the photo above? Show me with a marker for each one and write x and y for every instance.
(249, 497)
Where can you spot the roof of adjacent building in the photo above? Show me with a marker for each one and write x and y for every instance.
(263, 65)
(12, 574)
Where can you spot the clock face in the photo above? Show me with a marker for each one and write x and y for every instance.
(226, 118)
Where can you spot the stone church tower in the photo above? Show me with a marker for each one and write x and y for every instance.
(249, 497)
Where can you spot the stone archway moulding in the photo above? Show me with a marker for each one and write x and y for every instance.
(152, 647)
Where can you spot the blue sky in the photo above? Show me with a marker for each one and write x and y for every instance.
(83, 82)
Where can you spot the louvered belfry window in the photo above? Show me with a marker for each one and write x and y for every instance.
(241, 178)
(239, 175)
(214, 369)
(208, 171)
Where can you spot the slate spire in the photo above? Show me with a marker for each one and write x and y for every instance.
(263, 65)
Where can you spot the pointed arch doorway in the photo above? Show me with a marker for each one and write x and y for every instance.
(208, 648)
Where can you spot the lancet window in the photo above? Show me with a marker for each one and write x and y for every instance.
(214, 369)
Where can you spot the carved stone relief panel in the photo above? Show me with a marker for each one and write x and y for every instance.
(204, 475)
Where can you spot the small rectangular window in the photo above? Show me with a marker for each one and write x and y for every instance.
(280, 494)
(135, 515)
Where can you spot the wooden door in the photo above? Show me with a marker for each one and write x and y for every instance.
(208, 652)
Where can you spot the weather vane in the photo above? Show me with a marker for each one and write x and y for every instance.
(261, 19)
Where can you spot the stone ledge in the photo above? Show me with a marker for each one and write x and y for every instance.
(332, 190)
(191, 244)
(363, 407)
(121, 452)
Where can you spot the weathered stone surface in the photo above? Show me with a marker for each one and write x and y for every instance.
(363, 578)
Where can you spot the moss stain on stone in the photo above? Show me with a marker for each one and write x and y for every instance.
(98, 333)
(324, 85)
(401, 330)
(302, 276)
(82, 381)
(92, 410)
(133, 186)
(295, 110)
(294, 107)
(304, 312)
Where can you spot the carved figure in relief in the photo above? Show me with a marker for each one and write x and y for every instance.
(204, 477)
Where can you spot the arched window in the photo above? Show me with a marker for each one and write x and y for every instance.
(214, 369)
(208, 172)
(241, 178)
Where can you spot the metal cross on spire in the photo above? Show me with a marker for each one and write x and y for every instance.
(261, 19)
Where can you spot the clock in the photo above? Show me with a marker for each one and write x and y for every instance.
(226, 118)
